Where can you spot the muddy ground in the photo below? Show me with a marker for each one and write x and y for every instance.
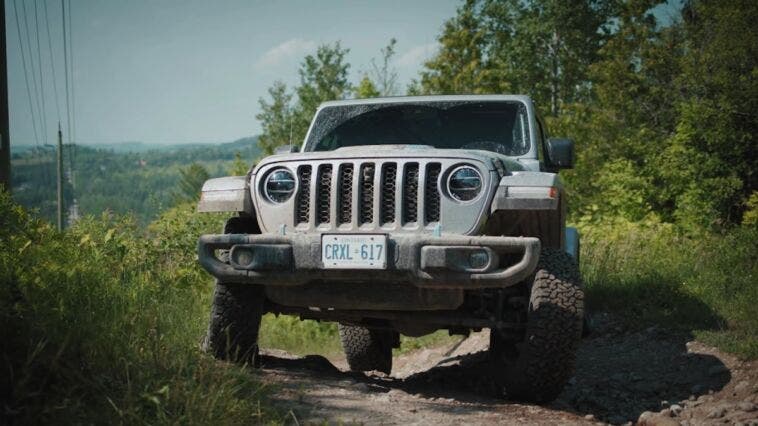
(650, 376)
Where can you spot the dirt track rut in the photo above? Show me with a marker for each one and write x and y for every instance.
(651, 376)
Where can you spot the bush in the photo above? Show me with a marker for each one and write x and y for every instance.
(102, 325)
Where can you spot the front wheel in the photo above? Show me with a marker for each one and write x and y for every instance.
(235, 319)
(537, 368)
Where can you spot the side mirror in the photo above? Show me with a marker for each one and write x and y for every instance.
(286, 149)
(559, 153)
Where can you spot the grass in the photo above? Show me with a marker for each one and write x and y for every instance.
(298, 337)
(706, 285)
(101, 325)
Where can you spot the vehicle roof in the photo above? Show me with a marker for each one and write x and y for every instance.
(436, 98)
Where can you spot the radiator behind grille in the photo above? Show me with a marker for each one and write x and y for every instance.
(410, 193)
(366, 207)
(432, 193)
(323, 193)
(387, 202)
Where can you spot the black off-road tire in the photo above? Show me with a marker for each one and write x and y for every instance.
(538, 368)
(235, 320)
(236, 310)
(367, 349)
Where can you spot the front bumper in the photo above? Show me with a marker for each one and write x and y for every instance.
(422, 260)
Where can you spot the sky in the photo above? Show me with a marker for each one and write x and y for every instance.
(192, 71)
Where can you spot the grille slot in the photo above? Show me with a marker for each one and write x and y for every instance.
(387, 202)
(410, 193)
(366, 207)
(303, 201)
(345, 195)
(323, 193)
(432, 193)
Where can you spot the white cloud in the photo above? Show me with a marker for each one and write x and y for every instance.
(416, 55)
(284, 51)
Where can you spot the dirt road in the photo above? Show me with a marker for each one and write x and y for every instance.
(650, 376)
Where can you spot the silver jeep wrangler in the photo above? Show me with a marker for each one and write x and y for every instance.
(407, 215)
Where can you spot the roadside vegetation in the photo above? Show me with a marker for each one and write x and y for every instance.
(102, 324)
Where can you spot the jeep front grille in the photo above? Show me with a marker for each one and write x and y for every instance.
(368, 194)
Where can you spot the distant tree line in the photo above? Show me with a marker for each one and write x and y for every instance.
(142, 184)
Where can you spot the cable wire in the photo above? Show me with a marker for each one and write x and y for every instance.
(41, 81)
(71, 61)
(33, 67)
(65, 69)
(52, 62)
(26, 80)
(73, 92)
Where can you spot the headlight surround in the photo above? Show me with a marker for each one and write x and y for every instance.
(464, 183)
(279, 185)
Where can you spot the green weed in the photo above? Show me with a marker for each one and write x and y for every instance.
(651, 274)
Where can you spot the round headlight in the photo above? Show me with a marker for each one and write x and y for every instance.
(464, 183)
(279, 185)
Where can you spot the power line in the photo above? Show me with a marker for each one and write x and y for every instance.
(26, 76)
(71, 58)
(52, 62)
(31, 64)
(28, 90)
(65, 68)
(73, 92)
(41, 81)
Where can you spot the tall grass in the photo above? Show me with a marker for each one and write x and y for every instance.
(101, 325)
(705, 284)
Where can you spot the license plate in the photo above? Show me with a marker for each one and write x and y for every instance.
(351, 251)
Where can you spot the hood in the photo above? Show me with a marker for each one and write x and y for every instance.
(493, 160)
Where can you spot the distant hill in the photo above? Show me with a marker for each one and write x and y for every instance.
(130, 177)
(137, 147)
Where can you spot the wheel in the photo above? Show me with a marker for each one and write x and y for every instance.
(235, 319)
(537, 368)
(367, 349)
(236, 311)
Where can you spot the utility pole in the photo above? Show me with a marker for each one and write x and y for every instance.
(60, 178)
(5, 141)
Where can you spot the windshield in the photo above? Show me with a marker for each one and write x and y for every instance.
(500, 127)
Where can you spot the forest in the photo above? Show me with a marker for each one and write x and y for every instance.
(664, 115)
(135, 179)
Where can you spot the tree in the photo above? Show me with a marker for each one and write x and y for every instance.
(190, 183)
(542, 48)
(239, 166)
(323, 77)
(366, 89)
(384, 74)
(715, 146)
(276, 118)
(459, 66)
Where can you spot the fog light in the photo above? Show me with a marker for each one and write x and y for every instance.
(242, 257)
(479, 259)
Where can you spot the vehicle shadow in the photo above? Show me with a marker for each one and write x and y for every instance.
(619, 375)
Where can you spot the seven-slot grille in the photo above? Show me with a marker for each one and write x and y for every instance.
(368, 193)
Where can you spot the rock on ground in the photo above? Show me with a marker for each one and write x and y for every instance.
(652, 377)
